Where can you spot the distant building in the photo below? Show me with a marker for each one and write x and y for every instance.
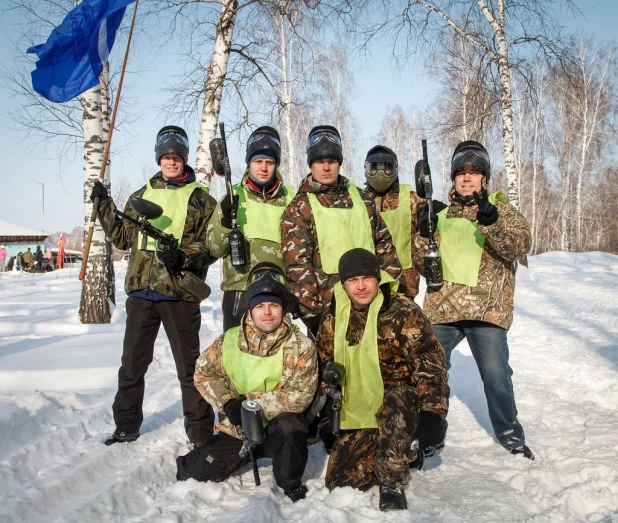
(16, 238)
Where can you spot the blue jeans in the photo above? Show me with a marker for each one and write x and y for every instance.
(491, 352)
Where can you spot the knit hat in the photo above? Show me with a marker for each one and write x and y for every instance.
(265, 297)
(358, 262)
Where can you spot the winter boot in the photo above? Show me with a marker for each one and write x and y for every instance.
(522, 449)
(392, 498)
(296, 493)
(121, 437)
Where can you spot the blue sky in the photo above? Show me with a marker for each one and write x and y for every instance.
(379, 84)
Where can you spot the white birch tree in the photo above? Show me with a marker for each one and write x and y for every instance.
(496, 28)
(98, 285)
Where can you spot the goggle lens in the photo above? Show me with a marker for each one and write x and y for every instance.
(162, 138)
(268, 274)
(260, 136)
(319, 135)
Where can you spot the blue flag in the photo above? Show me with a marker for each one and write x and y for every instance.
(72, 59)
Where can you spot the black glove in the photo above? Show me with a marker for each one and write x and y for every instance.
(430, 432)
(312, 324)
(226, 208)
(232, 409)
(173, 259)
(99, 191)
(488, 212)
(423, 217)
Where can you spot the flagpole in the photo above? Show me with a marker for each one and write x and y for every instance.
(95, 204)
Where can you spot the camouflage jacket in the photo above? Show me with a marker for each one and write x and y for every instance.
(293, 393)
(506, 241)
(258, 250)
(409, 279)
(145, 271)
(409, 352)
(28, 258)
(301, 252)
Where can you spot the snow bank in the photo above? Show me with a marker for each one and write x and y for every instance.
(58, 378)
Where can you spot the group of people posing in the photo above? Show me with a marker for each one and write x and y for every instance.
(347, 261)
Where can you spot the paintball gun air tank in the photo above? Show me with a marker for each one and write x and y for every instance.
(334, 376)
(433, 262)
(252, 421)
(236, 239)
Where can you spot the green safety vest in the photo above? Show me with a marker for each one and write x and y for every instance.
(363, 389)
(339, 230)
(261, 220)
(461, 246)
(399, 223)
(175, 203)
(248, 372)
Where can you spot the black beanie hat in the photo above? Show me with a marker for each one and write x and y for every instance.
(358, 262)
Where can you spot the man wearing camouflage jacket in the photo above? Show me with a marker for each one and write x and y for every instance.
(154, 290)
(259, 201)
(327, 217)
(382, 177)
(395, 386)
(481, 238)
(266, 360)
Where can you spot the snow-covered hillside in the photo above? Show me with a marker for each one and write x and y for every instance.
(58, 378)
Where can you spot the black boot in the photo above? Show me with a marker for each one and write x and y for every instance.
(522, 449)
(296, 493)
(121, 437)
(392, 498)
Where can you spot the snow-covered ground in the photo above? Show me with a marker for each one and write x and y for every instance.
(58, 378)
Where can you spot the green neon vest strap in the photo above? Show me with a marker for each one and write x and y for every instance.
(261, 220)
(340, 230)
(461, 247)
(363, 390)
(248, 372)
(175, 203)
(399, 223)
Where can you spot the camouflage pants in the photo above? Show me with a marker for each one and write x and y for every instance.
(362, 458)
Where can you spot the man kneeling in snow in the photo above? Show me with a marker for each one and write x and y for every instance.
(395, 387)
(266, 360)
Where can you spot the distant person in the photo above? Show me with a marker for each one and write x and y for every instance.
(481, 238)
(3, 255)
(38, 255)
(50, 258)
(28, 259)
(19, 261)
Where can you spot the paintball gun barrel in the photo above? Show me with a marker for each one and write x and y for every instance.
(252, 421)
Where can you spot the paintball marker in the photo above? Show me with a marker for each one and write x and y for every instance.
(221, 165)
(334, 376)
(252, 421)
(433, 262)
(146, 211)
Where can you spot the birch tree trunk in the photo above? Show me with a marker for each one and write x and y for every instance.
(506, 99)
(98, 286)
(213, 88)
